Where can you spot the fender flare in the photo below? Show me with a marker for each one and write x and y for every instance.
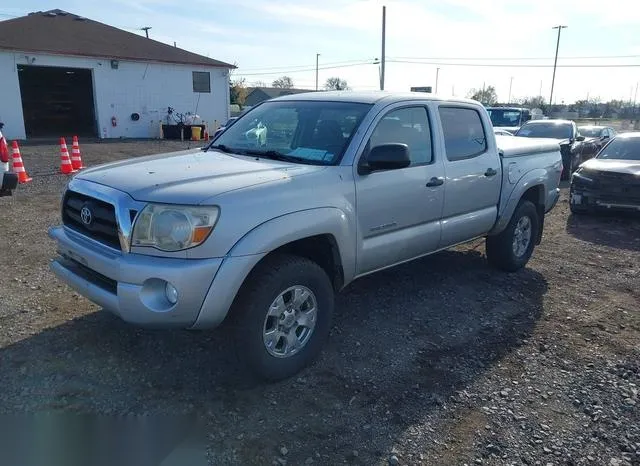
(279, 231)
(531, 179)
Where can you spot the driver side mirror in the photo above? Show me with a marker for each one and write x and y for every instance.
(391, 156)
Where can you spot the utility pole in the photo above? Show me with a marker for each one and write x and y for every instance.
(317, 56)
(555, 63)
(437, 74)
(540, 93)
(510, 86)
(146, 30)
(635, 96)
(382, 60)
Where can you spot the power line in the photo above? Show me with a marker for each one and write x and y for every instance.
(518, 65)
(240, 73)
(290, 67)
(516, 58)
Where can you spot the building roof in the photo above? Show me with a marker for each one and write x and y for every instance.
(60, 33)
(274, 92)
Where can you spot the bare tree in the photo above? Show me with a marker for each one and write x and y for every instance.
(336, 84)
(486, 96)
(285, 82)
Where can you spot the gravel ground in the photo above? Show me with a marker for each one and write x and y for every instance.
(441, 361)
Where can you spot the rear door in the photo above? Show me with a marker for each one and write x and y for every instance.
(473, 174)
(399, 210)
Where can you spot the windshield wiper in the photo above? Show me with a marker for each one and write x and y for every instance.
(275, 155)
(225, 149)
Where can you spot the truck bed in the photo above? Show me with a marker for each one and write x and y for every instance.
(510, 146)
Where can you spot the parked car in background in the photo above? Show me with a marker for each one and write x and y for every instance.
(298, 198)
(565, 133)
(610, 180)
(228, 123)
(501, 132)
(509, 118)
(595, 138)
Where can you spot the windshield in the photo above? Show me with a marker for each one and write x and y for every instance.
(303, 131)
(546, 130)
(590, 132)
(500, 117)
(621, 149)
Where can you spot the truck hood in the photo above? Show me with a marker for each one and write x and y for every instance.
(613, 165)
(190, 177)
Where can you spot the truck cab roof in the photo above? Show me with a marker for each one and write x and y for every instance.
(369, 97)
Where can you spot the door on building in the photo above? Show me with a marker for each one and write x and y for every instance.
(57, 101)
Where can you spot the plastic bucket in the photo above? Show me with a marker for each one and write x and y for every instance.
(196, 133)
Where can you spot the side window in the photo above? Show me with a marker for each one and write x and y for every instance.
(464, 135)
(408, 126)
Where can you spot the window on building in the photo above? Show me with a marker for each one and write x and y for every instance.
(201, 81)
(463, 133)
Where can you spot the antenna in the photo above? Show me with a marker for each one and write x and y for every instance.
(146, 30)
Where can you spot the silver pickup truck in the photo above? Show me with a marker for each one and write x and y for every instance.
(301, 196)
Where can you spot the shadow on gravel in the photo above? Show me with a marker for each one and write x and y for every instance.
(616, 230)
(405, 345)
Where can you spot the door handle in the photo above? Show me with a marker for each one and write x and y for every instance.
(491, 172)
(433, 182)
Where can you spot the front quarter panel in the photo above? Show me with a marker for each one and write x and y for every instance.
(299, 225)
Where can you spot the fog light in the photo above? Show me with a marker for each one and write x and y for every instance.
(171, 293)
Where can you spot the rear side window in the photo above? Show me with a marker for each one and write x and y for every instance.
(464, 135)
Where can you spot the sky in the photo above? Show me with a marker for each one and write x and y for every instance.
(502, 43)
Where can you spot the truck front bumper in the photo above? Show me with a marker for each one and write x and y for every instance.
(134, 286)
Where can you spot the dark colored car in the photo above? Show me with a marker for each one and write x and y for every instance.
(610, 180)
(565, 132)
(595, 138)
(229, 122)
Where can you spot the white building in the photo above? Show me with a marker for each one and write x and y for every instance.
(62, 75)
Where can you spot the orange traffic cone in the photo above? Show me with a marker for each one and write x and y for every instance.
(18, 166)
(76, 158)
(65, 161)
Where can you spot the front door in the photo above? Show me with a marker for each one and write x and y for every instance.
(399, 210)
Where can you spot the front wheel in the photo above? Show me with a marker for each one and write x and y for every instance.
(282, 316)
(512, 249)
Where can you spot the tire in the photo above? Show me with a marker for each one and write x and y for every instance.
(282, 276)
(501, 250)
(575, 210)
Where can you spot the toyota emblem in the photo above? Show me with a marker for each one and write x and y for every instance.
(86, 216)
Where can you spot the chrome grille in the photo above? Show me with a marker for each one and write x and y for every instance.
(102, 226)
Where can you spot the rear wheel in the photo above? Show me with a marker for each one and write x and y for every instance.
(282, 316)
(512, 249)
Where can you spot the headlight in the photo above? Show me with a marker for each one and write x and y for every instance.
(583, 176)
(173, 228)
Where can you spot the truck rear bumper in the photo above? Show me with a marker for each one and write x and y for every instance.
(133, 286)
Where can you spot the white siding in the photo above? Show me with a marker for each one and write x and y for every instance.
(144, 88)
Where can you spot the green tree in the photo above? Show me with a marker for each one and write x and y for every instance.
(336, 84)
(238, 91)
(285, 82)
(486, 96)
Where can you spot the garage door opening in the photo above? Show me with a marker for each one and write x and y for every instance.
(57, 101)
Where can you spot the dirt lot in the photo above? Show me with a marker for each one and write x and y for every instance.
(439, 362)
